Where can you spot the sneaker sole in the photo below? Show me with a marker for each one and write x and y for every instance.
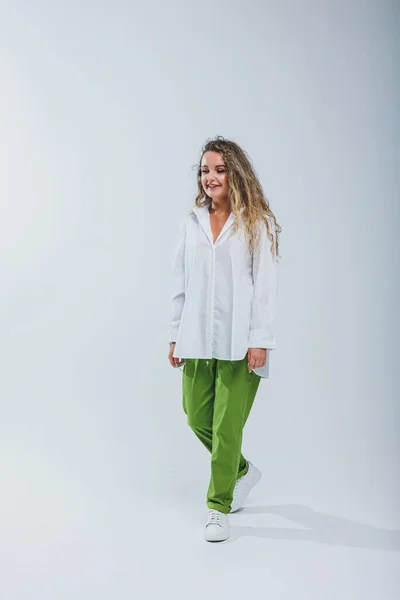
(216, 539)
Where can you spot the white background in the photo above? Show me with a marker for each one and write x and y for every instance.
(104, 107)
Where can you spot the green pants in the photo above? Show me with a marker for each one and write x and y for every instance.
(217, 399)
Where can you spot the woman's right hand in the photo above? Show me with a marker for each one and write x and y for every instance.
(175, 362)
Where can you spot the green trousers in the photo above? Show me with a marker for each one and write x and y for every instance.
(217, 396)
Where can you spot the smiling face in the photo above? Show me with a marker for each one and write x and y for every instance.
(214, 177)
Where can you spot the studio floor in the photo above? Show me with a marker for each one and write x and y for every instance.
(61, 543)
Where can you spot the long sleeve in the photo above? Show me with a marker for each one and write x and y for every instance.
(262, 330)
(178, 282)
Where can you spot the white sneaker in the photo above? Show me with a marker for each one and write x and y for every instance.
(243, 487)
(217, 527)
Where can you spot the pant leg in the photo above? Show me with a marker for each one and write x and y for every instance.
(235, 390)
(198, 393)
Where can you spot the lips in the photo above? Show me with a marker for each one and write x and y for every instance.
(213, 186)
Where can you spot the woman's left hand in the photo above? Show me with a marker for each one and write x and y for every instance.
(256, 357)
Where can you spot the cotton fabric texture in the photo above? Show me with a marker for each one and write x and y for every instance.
(217, 396)
(223, 299)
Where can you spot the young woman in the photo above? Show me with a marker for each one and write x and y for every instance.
(223, 313)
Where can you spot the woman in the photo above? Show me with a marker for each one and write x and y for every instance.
(223, 313)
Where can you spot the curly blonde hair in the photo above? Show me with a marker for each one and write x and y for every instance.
(245, 190)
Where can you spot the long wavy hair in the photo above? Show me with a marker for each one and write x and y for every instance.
(245, 190)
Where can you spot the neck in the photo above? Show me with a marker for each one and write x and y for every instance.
(220, 206)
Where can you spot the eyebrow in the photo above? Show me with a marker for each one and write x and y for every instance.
(216, 166)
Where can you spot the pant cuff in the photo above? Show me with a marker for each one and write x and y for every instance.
(243, 471)
(223, 509)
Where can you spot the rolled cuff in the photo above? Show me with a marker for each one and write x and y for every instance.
(260, 338)
(173, 331)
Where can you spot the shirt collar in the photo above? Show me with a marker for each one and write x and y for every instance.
(203, 216)
(198, 210)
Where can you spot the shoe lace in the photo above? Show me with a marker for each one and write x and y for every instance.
(235, 491)
(237, 487)
(214, 517)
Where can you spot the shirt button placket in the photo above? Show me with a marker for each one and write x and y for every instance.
(212, 301)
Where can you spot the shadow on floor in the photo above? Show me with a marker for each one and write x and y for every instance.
(321, 528)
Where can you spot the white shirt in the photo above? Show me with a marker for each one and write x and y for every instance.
(223, 300)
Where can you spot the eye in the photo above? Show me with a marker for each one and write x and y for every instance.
(221, 171)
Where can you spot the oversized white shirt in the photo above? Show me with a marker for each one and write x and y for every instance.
(223, 300)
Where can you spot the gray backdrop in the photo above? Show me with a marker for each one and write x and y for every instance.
(104, 107)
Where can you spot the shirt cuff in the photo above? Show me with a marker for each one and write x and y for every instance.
(173, 332)
(260, 338)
